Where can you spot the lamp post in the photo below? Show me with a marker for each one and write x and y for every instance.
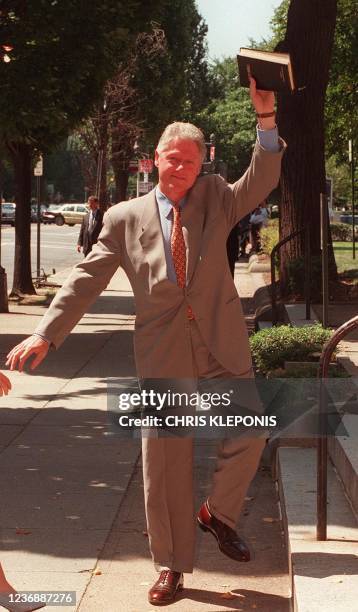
(351, 161)
(4, 304)
(102, 151)
(111, 182)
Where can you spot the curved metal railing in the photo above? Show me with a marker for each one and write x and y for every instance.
(338, 335)
(307, 288)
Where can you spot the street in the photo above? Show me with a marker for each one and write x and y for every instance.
(58, 248)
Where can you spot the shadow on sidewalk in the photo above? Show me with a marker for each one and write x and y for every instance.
(81, 351)
(63, 477)
(266, 602)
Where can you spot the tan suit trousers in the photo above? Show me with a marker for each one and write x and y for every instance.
(168, 477)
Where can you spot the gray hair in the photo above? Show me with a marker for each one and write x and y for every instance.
(182, 131)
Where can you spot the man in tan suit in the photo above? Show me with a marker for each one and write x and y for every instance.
(172, 245)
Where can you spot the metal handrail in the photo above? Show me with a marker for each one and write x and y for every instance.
(338, 335)
(307, 289)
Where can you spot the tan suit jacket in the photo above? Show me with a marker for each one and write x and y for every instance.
(132, 238)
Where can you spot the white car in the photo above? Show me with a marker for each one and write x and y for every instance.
(65, 213)
(8, 213)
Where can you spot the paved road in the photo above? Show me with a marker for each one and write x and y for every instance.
(58, 248)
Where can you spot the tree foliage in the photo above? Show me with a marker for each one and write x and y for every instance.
(341, 96)
(229, 116)
(173, 85)
(163, 79)
(309, 40)
(342, 92)
(63, 52)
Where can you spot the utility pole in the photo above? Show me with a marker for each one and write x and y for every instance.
(351, 161)
(38, 172)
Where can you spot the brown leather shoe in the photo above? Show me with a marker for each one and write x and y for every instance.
(165, 589)
(229, 542)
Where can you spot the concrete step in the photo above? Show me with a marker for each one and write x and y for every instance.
(323, 573)
(297, 315)
(343, 450)
(344, 454)
(264, 324)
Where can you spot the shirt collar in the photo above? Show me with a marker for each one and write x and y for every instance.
(165, 204)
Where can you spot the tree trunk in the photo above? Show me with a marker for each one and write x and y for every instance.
(102, 191)
(21, 155)
(309, 39)
(121, 176)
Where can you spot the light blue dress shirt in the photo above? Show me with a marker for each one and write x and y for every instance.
(268, 139)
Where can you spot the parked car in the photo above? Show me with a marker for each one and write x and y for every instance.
(49, 215)
(8, 213)
(66, 213)
(348, 218)
(43, 208)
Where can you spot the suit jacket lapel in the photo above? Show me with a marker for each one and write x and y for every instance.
(192, 223)
(151, 237)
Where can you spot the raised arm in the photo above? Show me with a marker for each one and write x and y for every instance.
(264, 171)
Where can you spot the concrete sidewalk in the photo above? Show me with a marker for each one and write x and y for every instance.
(63, 475)
(74, 513)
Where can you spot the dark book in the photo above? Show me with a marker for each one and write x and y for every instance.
(272, 71)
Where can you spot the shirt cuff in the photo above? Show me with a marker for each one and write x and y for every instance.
(42, 338)
(268, 139)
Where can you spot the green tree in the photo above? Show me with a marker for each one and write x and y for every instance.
(163, 79)
(309, 39)
(229, 115)
(62, 170)
(63, 52)
(342, 91)
(340, 173)
(180, 71)
(341, 96)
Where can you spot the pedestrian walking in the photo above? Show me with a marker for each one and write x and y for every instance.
(258, 220)
(244, 234)
(91, 226)
(189, 325)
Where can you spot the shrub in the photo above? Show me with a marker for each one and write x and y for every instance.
(296, 276)
(272, 347)
(342, 232)
(269, 236)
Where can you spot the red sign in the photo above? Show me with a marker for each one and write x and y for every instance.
(133, 166)
(212, 153)
(145, 165)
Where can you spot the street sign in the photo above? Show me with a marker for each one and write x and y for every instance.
(145, 165)
(38, 170)
(145, 186)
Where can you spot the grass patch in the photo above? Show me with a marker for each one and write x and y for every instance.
(344, 259)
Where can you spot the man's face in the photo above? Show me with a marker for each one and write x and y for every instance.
(93, 203)
(179, 164)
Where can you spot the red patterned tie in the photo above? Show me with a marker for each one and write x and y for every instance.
(179, 252)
